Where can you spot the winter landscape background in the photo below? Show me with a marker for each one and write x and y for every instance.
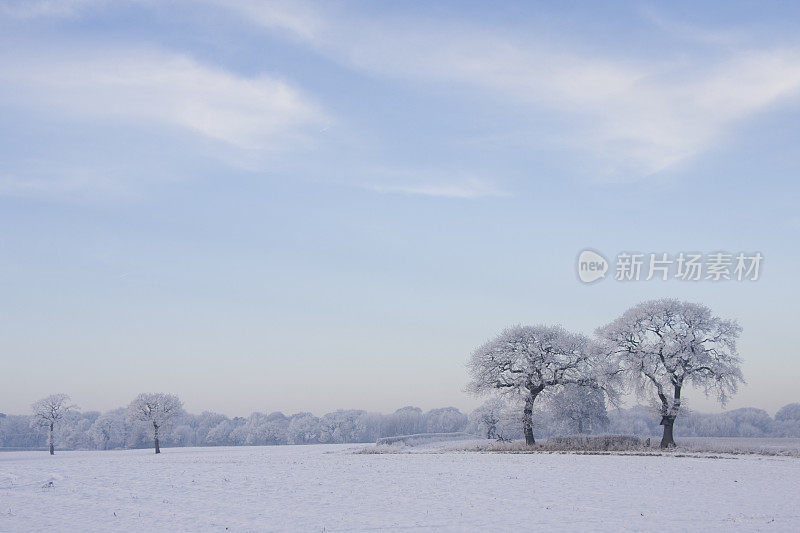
(262, 211)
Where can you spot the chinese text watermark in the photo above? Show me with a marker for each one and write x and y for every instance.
(683, 266)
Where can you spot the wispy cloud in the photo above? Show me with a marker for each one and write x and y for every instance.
(28, 9)
(467, 189)
(151, 86)
(640, 116)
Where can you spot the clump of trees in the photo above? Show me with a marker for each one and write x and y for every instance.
(656, 348)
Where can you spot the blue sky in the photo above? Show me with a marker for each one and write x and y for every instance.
(308, 206)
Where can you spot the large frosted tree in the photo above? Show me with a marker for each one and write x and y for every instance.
(664, 345)
(524, 361)
(157, 410)
(48, 411)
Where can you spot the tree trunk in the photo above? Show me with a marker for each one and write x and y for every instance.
(50, 440)
(527, 421)
(155, 438)
(667, 441)
(669, 420)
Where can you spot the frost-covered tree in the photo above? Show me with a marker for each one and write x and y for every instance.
(498, 418)
(407, 420)
(264, 430)
(48, 411)
(790, 412)
(749, 422)
(445, 420)
(486, 417)
(157, 411)
(109, 429)
(186, 430)
(576, 409)
(219, 435)
(182, 435)
(342, 426)
(787, 421)
(664, 345)
(208, 421)
(370, 427)
(303, 429)
(637, 420)
(18, 431)
(73, 431)
(524, 361)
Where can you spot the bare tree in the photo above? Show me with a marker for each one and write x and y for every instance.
(663, 345)
(526, 360)
(157, 410)
(49, 411)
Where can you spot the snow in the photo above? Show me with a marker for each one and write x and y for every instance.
(740, 444)
(328, 487)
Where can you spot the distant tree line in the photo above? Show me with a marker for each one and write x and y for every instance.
(116, 429)
(155, 420)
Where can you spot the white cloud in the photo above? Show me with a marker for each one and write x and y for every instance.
(467, 189)
(640, 116)
(637, 117)
(166, 89)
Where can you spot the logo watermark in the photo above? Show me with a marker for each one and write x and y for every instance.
(684, 266)
(591, 266)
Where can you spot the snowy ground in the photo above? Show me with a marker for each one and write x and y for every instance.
(328, 488)
(739, 444)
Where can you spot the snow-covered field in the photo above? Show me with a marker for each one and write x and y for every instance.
(329, 488)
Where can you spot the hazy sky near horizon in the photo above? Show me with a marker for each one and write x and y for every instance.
(296, 206)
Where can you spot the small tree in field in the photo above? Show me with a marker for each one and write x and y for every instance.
(663, 345)
(526, 360)
(47, 412)
(156, 410)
